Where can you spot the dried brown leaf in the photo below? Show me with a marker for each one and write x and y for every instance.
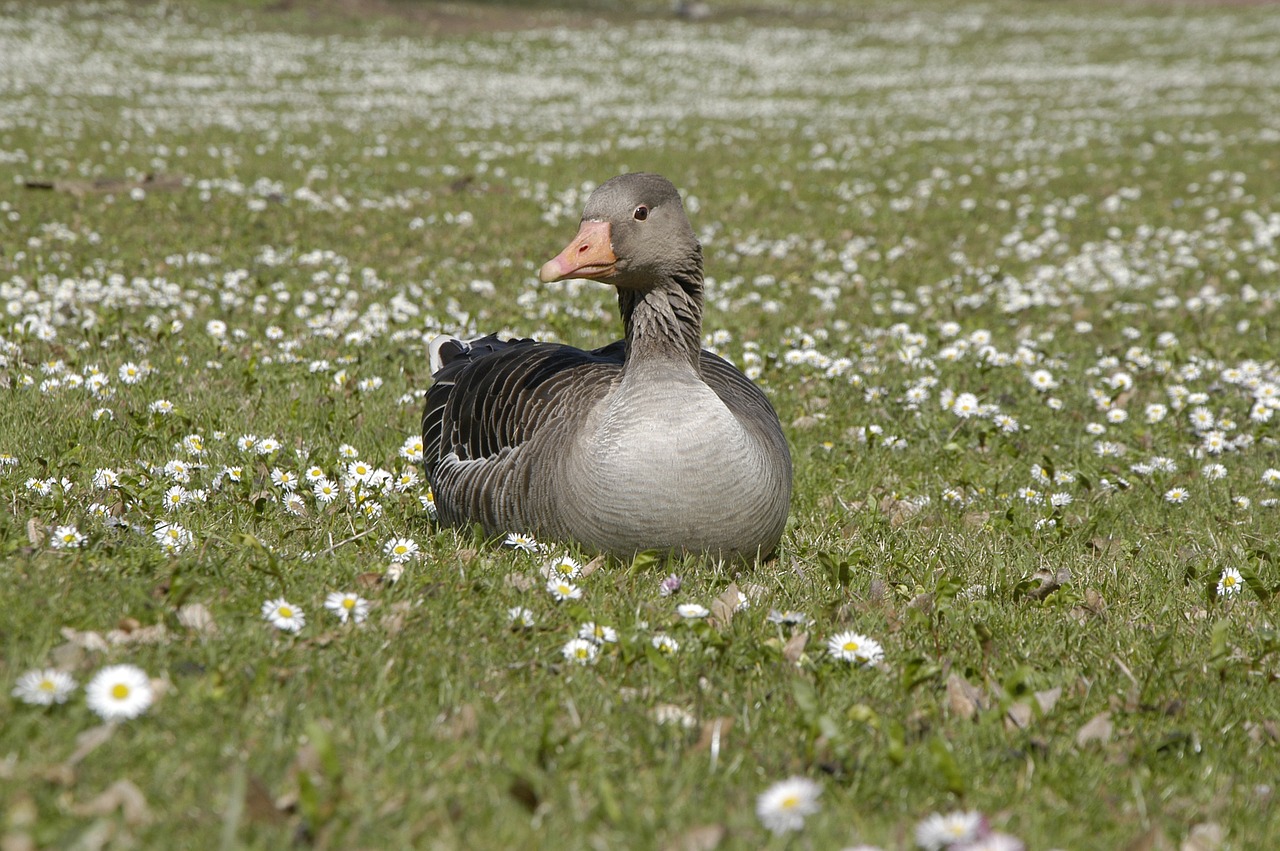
(1048, 699)
(963, 697)
(122, 795)
(703, 837)
(1018, 716)
(794, 648)
(85, 640)
(35, 531)
(197, 618)
(1207, 836)
(522, 582)
(1050, 581)
(153, 634)
(1096, 729)
(724, 606)
(592, 566)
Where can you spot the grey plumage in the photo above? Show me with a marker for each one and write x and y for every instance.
(647, 443)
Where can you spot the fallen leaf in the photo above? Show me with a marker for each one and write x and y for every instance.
(703, 837)
(1050, 581)
(121, 795)
(1048, 699)
(519, 581)
(794, 648)
(724, 606)
(1018, 716)
(1207, 836)
(197, 618)
(1096, 729)
(963, 697)
(154, 634)
(592, 566)
(86, 640)
(35, 532)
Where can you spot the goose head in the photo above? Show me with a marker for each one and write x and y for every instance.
(634, 235)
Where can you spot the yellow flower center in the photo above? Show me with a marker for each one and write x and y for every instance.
(851, 646)
(790, 802)
(348, 603)
(46, 685)
(286, 612)
(119, 691)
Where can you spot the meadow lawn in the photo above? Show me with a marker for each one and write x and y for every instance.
(1009, 273)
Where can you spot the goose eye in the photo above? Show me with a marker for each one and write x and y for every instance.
(641, 213)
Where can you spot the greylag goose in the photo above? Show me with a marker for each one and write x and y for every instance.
(649, 443)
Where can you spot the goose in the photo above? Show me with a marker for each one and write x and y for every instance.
(648, 443)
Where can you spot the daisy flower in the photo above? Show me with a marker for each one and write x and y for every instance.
(347, 606)
(562, 568)
(66, 537)
(105, 477)
(563, 589)
(1176, 495)
(131, 373)
(161, 406)
(325, 491)
(172, 538)
(519, 541)
(411, 449)
(284, 479)
(598, 633)
(939, 831)
(348, 452)
(247, 442)
(1230, 582)
(174, 497)
(400, 550)
(1271, 476)
(692, 610)
(267, 446)
(44, 688)
(428, 501)
(784, 806)
(852, 647)
(283, 615)
(520, 617)
(665, 644)
(670, 585)
(580, 651)
(119, 692)
(314, 473)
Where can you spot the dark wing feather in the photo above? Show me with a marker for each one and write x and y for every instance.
(489, 399)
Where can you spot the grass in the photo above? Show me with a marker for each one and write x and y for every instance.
(880, 198)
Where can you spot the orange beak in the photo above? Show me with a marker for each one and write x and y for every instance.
(590, 255)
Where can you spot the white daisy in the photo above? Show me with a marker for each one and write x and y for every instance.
(856, 648)
(520, 617)
(119, 692)
(562, 568)
(1230, 582)
(400, 550)
(347, 606)
(411, 449)
(172, 537)
(66, 537)
(580, 651)
(283, 615)
(563, 589)
(518, 541)
(598, 633)
(325, 491)
(692, 610)
(665, 644)
(785, 805)
(939, 831)
(44, 688)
